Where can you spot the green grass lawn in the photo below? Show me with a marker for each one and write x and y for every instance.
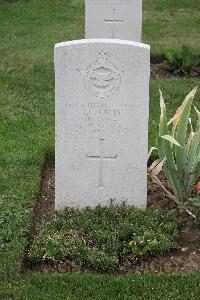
(168, 24)
(103, 287)
(28, 31)
(34, 26)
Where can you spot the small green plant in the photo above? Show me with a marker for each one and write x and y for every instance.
(183, 62)
(179, 153)
(141, 245)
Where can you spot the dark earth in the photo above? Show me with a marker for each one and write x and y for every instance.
(185, 259)
(158, 71)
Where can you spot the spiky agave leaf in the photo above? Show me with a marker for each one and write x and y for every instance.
(180, 135)
(176, 155)
(198, 127)
(163, 127)
(191, 127)
(193, 152)
(165, 150)
(193, 162)
(176, 118)
(171, 140)
(198, 120)
(189, 141)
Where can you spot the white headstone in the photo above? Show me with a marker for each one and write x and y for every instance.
(113, 19)
(102, 102)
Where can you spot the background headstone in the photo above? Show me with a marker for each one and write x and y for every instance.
(102, 102)
(113, 19)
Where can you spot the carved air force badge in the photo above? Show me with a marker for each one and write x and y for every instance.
(102, 78)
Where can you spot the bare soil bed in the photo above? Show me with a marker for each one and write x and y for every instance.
(159, 71)
(185, 259)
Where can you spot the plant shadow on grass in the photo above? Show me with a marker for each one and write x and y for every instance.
(107, 240)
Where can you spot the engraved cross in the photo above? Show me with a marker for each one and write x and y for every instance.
(113, 21)
(101, 157)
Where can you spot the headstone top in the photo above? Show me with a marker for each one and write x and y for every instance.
(108, 41)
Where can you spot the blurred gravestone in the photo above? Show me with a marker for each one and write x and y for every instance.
(116, 19)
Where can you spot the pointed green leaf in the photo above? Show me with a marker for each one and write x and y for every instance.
(169, 167)
(163, 128)
(193, 151)
(171, 140)
(176, 118)
(198, 121)
(187, 147)
(181, 133)
(195, 173)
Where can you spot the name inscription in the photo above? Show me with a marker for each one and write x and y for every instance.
(98, 119)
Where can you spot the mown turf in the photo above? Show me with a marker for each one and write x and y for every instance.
(28, 31)
(168, 24)
(103, 287)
